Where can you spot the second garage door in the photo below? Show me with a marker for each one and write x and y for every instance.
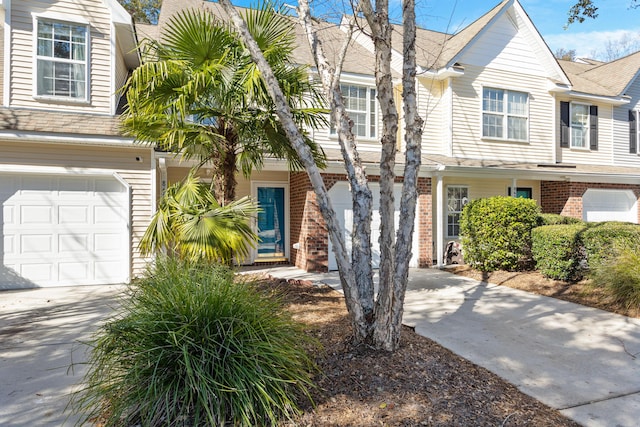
(341, 200)
(63, 230)
(609, 205)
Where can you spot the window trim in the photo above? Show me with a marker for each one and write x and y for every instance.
(587, 131)
(63, 19)
(505, 115)
(370, 87)
(447, 211)
(566, 139)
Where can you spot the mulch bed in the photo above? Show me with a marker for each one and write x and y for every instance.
(421, 384)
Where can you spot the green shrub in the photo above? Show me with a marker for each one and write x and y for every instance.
(601, 240)
(555, 219)
(191, 347)
(558, 251)
(620, 275)
(496, 233)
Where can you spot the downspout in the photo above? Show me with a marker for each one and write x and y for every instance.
(449, 130)
(162, 164)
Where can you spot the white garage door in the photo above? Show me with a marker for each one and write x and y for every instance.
(609, 205)
(63, 230)
(341, 200)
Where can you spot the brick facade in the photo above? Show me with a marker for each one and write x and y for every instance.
(309, 231)
(565, 198)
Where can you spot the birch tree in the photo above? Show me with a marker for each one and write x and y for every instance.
(375, 317)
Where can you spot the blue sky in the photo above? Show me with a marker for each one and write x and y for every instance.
(615, 21)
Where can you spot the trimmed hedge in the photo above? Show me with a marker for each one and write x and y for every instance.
(496, 233)
(555, 219)
(603, 238)
(558, 250)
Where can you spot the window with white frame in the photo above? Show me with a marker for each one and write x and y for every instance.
(505, 114)
(61, 59)
(457, 198)
(360, 103)
(579, 126)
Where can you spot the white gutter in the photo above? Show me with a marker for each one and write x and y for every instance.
(27, 136)
(440, 74)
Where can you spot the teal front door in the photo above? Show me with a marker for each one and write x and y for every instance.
(271, 222)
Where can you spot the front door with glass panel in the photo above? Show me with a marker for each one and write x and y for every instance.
(271, 223)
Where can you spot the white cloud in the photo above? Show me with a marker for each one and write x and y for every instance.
(588, 43)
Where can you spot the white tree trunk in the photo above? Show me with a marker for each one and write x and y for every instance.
(295, 137)
(375, 322)
(362, 199)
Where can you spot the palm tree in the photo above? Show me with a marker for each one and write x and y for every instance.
(203, 97)
(190, 223)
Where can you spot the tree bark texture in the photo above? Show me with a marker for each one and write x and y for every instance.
(362, 199)
(295, 137)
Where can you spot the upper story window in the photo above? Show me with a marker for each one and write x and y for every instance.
(360, 103)
(578, 126)
(61, 56)
(505, 114)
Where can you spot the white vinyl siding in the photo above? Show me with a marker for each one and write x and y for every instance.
(505, 114)
(622, 156)
(23, 45)
(505, 47)
(434, 108)
(605, 132)
(121, 160)
(467, 117)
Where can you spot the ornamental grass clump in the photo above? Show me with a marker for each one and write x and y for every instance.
(192, 346)
(619, 274)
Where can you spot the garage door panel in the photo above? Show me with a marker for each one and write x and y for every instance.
(40, 244)
(72, 243)
(34, 214)
(67, 230)
(37, 272)
(73, 271)
(104, 243)
(9, 245)
(73, 214)
(8, 216)
(106, 215)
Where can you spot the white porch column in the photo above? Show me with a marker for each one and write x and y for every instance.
(514, 187)
(439, 220)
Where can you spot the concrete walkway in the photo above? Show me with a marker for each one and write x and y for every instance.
(41, 350)
(583, 361)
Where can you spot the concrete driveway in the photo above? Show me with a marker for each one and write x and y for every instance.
(41, 331)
